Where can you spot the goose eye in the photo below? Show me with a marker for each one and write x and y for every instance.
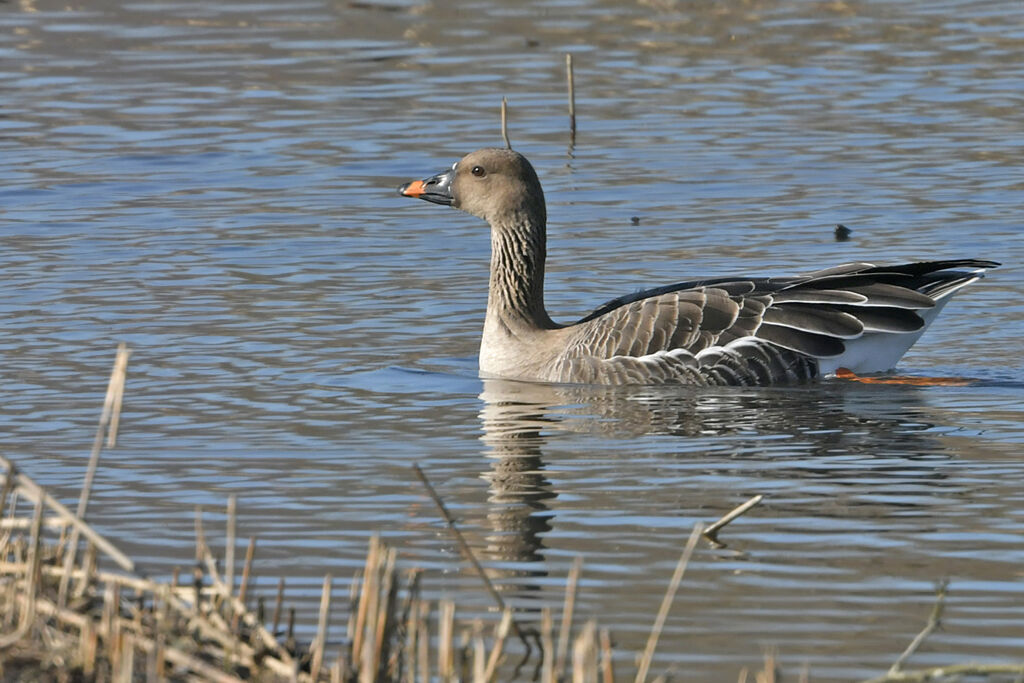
(479, 171)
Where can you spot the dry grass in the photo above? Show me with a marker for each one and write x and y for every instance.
(77, 622)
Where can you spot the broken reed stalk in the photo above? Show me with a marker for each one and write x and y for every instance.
(200, 534)
(499, 645)
(585, 654)
(607, 668)
(712, 531)
(466, 550)
(28, 614)
(385, 609)
(504, 122)
(933, 623)
(372, 631)
(423, 646)
(953, 672)
(367, 592)
(567, 610)
(547, 647)
(666, 603)
(572, 97)
(109, 418)
(34, 492)
(445, 634)
(277, 604)
(120, 370)
(250, 554)
(8, 488)
(229, 543)
(49, 522)
(320, 643)
(479, 662)
(410, 617)
(243, 589)
(769, 672)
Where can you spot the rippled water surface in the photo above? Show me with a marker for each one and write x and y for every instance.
(214, 185)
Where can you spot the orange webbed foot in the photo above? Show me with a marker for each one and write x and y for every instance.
(843, 373)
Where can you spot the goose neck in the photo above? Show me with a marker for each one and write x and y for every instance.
(518, 252)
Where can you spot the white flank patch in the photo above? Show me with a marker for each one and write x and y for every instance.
(879, 351)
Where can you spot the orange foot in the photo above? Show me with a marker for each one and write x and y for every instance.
(843, 373)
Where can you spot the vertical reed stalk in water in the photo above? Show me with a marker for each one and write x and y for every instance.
(607, 666)
(277, 605)
(567, 610)
(504, 122)
(499, 644)
(572, 98)
(109, 417)
(229, 543)
(547, 646)
(243, 589)
(320, 642)
(445, 636)
(666, 603)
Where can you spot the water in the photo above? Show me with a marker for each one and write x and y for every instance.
(215, 185)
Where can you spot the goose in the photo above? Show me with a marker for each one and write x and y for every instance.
(853, 318)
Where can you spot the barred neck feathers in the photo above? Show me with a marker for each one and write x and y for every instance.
(517, 269)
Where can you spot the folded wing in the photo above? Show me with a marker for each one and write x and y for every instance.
(763, 331)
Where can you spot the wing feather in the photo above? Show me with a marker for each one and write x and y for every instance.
(814, 319)
(818, 296)
(894, 296)
(720, 310)
(807, 343)
(754, 331)
(843, 269)
(881, 319)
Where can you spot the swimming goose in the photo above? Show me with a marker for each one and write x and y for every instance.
(721, 331)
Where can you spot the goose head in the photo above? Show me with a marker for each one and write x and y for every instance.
(497, 185)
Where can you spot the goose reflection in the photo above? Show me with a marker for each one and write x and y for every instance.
(808, 426)
(513, 418)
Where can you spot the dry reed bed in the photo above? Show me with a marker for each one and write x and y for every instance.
(81, 622)
(64, 617)
(119, 626)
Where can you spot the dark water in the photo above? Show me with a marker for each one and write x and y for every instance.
(214, 185)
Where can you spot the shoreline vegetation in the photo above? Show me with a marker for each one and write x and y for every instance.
(64, 618)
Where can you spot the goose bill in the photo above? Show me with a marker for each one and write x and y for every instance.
(436, 189)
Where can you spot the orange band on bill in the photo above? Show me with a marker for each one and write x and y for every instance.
(414, 189)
